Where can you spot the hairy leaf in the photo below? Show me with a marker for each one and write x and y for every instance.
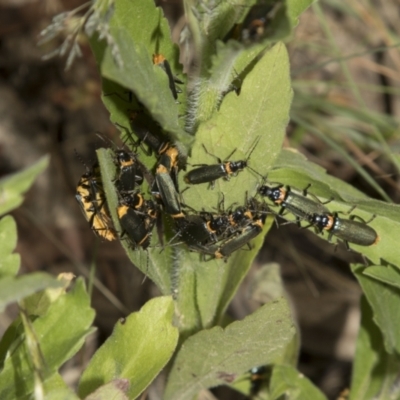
(215, 356)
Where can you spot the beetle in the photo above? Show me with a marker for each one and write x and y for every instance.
(137, 218)
(250, 232)
(249, 226)
(148, 132)
(130, 174)
(298, 204)
(224, 169)
(349, 230)
(258, 376)
(160, 60)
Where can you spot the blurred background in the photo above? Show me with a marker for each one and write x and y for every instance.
(345, 64)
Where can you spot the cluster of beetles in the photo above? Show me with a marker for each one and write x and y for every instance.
(214, 234)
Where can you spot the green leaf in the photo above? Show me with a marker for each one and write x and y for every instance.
(297, 7)
(139, 347)
(60, 334)
(385, 303)
(293, 169)
(14, 331)
(151, 262)
(260, 112)
(289, 383)
(115, 98)
(13, 289)
(61, 394)
(146, 24)
(219, 19)
(12, 187)
(117, 389)
(56, 389)
(386, 274)
(203, 290)
(231, 63)
(38, 303)
(266, 286)
(374, 371)
(216, 356)
(137, 42)
(266, 283)
(208, 24)
(242, 119)
(9, 263)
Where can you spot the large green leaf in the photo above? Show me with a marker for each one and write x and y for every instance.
(9, 262)
(60, 334)
(374, 370)
(385, 303)
(140, 30)
(257, 114)
(139, 347)
(260, 112)
(216, 356)
(12, 187)
(115, 390)
(203, 290)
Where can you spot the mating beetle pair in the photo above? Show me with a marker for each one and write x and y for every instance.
(136, 215)
(315, 212)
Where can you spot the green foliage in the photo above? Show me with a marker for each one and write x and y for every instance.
(13, 289)
(383, 299)
(203, 290)
(116, 390)
(140, 30)
(237, 97)
(151, 340)
(9, 263)
(12, 187)
(257, 117)
(283, 381)
(215, 356)
(375, 370)
(287, 381)
(59, 334)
